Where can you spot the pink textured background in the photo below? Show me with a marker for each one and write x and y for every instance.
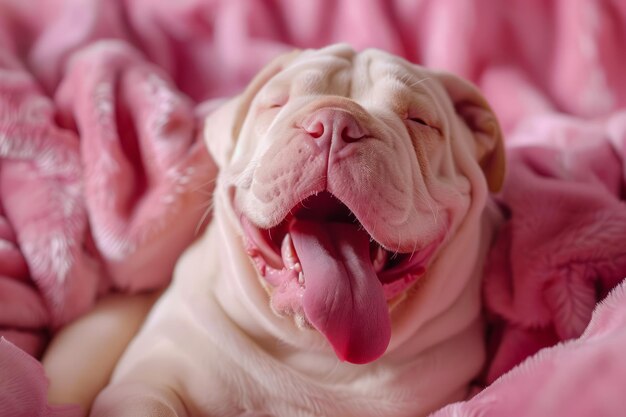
(104, 179)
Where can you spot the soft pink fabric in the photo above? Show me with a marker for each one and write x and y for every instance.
(103, 179)
(564, 245)
(102, 185)
(146, 171)
(45, 221)
(23, 386)
(580, 378)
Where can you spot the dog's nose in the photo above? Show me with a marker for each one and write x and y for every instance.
(334, 124)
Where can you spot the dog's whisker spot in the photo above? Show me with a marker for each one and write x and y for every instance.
(202, 220)
(419, 81)
(203, 186)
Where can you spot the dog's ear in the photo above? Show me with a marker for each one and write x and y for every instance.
(222, 126)
(473, 108)
(219, 129)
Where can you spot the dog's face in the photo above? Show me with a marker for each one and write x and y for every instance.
(349, 174)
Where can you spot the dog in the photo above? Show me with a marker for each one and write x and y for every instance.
(341, 273)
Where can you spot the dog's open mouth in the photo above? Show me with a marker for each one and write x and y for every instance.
(321, 261)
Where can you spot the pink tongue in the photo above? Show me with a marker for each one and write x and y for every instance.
(343, 298)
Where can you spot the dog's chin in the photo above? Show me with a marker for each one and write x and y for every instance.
(321, 267)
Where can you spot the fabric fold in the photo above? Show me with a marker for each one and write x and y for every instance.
(23, 386)
(147, 175)
(562, 248)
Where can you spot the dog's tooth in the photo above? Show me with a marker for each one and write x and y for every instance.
(301, 277)
(380, 259)
(251, 249)
(288, 252)
(301, 321)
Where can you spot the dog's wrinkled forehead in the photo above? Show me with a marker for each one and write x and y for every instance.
(316, 72)
(371, 76)
(381, 91)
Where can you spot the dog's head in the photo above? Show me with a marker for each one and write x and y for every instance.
(349, 173)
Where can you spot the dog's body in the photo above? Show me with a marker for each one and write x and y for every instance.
(300, 323)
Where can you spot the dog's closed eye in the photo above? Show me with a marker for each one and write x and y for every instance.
(274, 101)
(426, 123)
(418, 120)
(278, 103)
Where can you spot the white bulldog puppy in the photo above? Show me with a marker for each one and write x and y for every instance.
(341, 273)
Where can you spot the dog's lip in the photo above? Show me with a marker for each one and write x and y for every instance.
(260, 242)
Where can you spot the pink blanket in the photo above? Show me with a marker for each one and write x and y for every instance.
(104, 179)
